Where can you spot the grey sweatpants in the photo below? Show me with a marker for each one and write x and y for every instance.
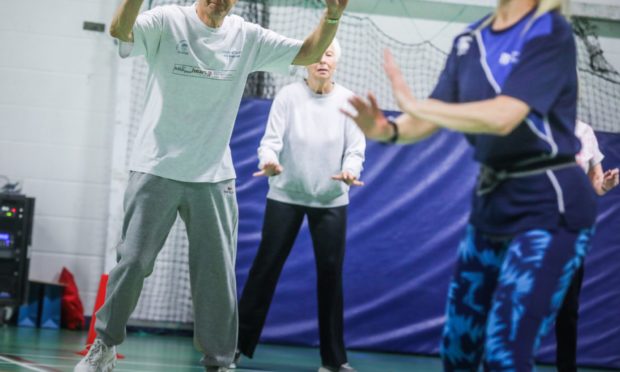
(209, 211)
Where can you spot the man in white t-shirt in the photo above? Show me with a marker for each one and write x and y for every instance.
(199, 57)
(589, 158)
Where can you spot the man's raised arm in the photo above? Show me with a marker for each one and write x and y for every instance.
(319, 40)
(124, 19)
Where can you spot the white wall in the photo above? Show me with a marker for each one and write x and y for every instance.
(611, 50)
(56, 106)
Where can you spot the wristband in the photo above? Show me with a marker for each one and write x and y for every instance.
(332, 21)
(394, 137)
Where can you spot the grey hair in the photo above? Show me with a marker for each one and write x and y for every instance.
(337, 49)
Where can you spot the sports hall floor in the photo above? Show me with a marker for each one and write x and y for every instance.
(28, 349)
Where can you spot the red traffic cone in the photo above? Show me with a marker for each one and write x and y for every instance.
(103, 284)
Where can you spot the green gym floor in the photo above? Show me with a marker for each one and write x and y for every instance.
(27, 349)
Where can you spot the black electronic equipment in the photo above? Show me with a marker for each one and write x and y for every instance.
(16, 212)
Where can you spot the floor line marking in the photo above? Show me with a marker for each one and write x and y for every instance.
(124, 361)
(25, 364)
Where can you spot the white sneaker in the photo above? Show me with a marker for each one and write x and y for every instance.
(343, 368)
(216, 369)
(235, 361)
(100, 358)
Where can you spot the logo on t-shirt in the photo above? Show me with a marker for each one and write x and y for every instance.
(197, 72)
(183, 47)
(232, 54)
(508, 58)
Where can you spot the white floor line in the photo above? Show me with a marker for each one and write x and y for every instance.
(122, 361)
(23, 365)
(119, 367)
(76, 357)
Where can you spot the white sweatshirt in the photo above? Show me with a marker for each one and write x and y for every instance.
(313, 141)
(589, 155)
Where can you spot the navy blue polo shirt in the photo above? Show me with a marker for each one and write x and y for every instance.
(534, 61)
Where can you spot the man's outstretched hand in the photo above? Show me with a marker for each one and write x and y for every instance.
(335, 8)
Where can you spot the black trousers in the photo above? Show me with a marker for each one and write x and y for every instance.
(566, 326)
(280, 228)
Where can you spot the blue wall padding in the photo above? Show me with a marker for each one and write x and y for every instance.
(404, 228)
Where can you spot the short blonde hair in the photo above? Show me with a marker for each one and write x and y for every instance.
(545, 6)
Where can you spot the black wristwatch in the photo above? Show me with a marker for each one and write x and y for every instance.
(394, 137)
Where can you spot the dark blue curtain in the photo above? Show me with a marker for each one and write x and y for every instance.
(404, 228)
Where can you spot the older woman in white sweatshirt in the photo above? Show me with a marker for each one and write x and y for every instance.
(311, 153)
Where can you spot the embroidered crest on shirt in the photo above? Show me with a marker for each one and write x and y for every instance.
(462, 46)
(183, 47)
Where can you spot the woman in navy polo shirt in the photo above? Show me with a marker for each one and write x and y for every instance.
(510, 85)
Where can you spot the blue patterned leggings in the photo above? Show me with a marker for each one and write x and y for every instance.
(505, 294)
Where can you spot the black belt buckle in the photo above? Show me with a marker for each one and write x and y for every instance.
(489, 179)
